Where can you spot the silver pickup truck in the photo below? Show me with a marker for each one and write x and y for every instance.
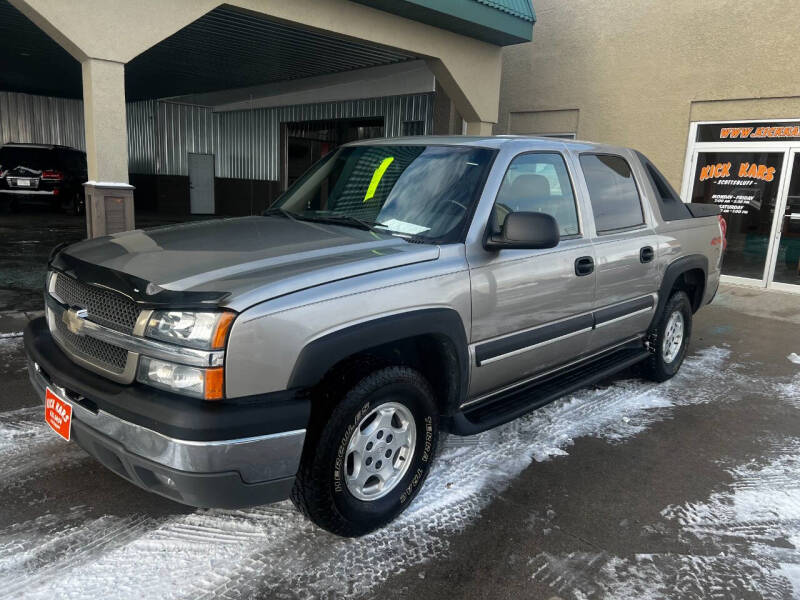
(401, 288)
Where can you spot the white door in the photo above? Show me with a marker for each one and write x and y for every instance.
(201, 184)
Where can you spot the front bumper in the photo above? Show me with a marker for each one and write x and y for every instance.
(223, 473)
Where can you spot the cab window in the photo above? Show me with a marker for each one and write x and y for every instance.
(537, 182)
(612, 192)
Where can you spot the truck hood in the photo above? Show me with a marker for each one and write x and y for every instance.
(245, 260)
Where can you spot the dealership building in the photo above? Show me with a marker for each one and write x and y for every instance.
(691, 85)
(201, 107)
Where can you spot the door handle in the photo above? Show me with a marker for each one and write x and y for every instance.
(647, 254)
(584, 266)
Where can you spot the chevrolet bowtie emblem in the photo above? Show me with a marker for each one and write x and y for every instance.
(73, 318)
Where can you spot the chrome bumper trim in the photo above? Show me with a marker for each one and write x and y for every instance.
(256, 459)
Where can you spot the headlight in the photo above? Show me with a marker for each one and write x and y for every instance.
(181, 379)
(203, 330)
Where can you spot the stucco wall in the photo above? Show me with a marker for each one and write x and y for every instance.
(636, 72)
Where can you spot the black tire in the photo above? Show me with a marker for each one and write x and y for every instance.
(657, 367)
(76, 205)
(320, 491)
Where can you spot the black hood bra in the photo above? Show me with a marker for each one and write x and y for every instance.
(146, 294)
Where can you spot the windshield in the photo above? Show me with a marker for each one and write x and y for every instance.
(424, 192)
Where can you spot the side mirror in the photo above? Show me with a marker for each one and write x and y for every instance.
(526, 231)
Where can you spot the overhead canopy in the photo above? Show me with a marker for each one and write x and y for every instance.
(224, 49)
(229, 48)
(32, 61)
(500, 22)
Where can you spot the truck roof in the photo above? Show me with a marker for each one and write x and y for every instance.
(491, 141)
(40, 146)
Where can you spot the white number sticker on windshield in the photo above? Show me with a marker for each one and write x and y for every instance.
(403, 227)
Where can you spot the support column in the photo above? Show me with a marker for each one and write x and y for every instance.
(479, 128)
(109, 197)
(473, 88)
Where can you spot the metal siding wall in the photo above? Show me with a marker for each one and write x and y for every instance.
(246, 143)
(162, 134)
(249, 143)
(181, 129)
(40, 119)
(141, 137)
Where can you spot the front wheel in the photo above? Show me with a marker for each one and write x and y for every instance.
(369, 459)
(670, 338)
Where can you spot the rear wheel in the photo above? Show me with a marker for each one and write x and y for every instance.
(76, 205)
(367, 462)
(670, 338)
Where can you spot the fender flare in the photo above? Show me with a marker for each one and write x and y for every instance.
(671, 274)
(320, 355)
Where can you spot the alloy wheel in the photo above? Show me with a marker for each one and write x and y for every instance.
(379, 451)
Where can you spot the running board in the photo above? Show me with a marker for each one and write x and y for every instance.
(507, 406)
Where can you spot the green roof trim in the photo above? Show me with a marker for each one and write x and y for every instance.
(518, 8)
(500, 22)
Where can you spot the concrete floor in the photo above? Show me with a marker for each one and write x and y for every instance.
(688, 489)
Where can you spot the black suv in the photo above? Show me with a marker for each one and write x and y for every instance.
(42, 174)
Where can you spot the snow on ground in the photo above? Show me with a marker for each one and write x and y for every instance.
(27, 445)
(229, 554)
(749, 531)
(10, 348)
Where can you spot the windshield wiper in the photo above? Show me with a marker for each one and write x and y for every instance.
(347, 220)
(412, 238)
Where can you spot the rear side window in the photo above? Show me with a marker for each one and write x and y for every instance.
(669, 203)
(612, 191)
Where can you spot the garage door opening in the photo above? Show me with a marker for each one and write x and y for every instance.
(308, 141)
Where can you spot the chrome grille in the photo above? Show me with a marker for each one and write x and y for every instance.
(105, 307)
(94, 351)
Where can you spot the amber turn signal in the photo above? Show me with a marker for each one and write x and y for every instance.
(221, 332)
(215, 384)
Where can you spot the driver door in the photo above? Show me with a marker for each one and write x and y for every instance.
(531, 309)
